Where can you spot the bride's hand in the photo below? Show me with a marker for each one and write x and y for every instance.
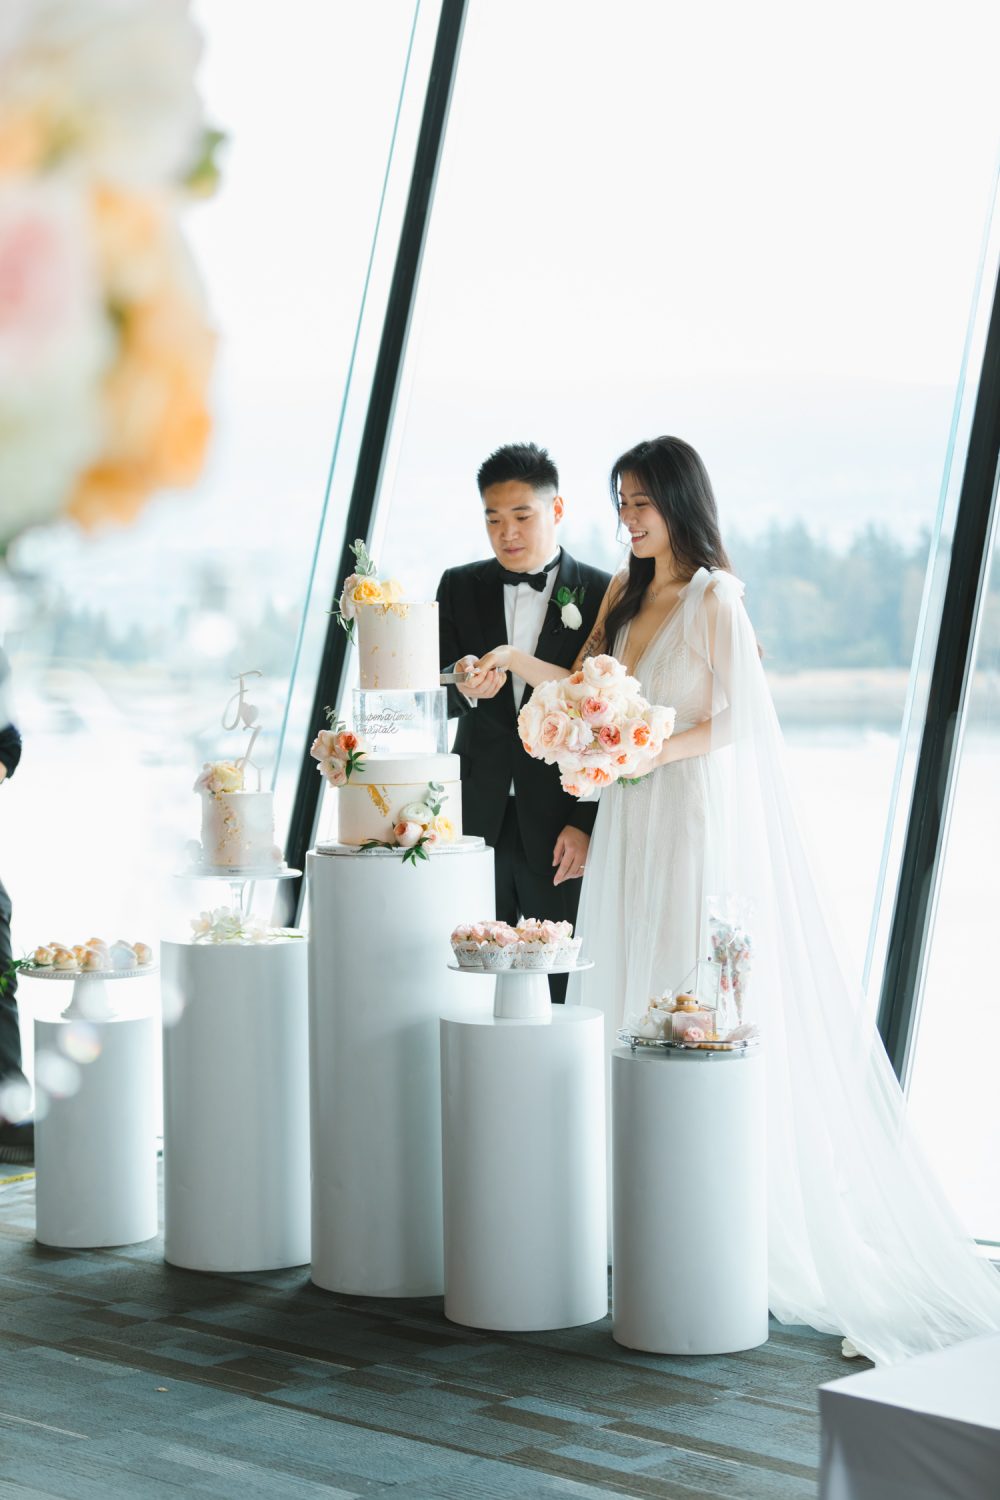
(478, 684)
(498, 660)
(666, 755)
(489, 673)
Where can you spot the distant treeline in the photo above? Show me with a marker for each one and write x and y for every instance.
(815, 606)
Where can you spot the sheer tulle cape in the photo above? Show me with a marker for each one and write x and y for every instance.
(862, 1240)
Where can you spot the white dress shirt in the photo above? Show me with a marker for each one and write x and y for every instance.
(524, 611)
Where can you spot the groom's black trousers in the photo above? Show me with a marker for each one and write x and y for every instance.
(524, 891)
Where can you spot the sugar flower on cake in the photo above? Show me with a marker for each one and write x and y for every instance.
(218, 776)
(419, 826)
(364, 586)
(339, 751)
(595, 726)
(406, 834)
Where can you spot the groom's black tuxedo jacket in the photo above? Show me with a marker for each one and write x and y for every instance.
(471, 611)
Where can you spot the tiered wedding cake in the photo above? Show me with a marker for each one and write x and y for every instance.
(398, 786)
(237, 822)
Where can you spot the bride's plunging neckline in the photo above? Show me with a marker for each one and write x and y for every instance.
(634, 669)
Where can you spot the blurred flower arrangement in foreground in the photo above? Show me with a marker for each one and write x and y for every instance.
(105, 345)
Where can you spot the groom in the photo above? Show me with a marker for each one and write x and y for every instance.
(532, 594)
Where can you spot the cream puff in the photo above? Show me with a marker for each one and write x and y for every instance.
(93, 958)
(65, 958)
(123, 955)
(43, 958)
(143, 954)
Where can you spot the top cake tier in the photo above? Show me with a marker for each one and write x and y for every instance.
(398, 646)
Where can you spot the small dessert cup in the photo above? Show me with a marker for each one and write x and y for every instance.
(467, 955)
(535, 955)
(569, 952)
(495, 958)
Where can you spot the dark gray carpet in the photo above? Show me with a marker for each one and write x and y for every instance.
(120, 1376)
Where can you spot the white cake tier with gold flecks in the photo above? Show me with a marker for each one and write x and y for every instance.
(373, 801)
(398, 646)
(237, 829)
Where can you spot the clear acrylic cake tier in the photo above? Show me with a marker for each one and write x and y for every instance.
(402, 722)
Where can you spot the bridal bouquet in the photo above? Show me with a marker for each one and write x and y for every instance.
(106, 346)
(595, 726)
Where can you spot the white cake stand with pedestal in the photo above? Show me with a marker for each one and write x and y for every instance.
(95, 1148)
(525, 1213)
(379, 938)
(235, 1094)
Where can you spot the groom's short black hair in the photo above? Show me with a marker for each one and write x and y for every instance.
(524, 462)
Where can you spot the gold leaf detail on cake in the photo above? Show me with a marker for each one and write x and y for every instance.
(377, 794)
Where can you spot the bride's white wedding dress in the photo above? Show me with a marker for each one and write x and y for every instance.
(862, 1241)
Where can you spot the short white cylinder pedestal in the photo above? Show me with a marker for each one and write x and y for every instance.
(236, 1105)
(95, 1151)
(524, 1166)
(378, 985)
(690, 1201)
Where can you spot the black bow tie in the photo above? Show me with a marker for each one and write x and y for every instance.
(536, 580)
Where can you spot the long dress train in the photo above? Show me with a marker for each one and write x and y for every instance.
(862, 1240)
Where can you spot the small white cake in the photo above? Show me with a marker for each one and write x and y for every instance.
(373, 801)
(237, 830)
(398, 646)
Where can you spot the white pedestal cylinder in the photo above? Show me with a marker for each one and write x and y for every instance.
(524, 1169)
(690, 1202)
(236, 1106)
(95, 1151)
(378, 985)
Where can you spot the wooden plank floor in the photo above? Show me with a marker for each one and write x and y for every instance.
(122, 1377)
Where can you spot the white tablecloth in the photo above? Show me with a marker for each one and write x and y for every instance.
(928, 1429)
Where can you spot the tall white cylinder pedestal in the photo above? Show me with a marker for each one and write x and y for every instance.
(524, 1157)
(378, 986)
(95, 1151)
(690, 1201)
(236, 1106)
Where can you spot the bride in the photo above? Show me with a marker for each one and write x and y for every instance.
(862, 1241)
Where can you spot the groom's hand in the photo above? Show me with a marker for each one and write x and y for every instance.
(570, 854)
(484, 684)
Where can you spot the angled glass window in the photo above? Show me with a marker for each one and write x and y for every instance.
(763, 237)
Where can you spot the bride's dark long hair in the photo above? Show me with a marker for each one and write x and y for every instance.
(677, 482)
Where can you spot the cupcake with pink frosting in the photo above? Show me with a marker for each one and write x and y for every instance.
(500, 944)
(539, 944)
(465, 943)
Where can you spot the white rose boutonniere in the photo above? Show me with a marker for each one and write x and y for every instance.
(568, 602)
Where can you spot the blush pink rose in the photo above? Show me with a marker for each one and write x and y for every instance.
(694, 1034)
(609, 736)
(596, 711)
(597, 669)
(553, 731)
(323, 746)
(638, 734)
(334, 771)
(407, 834)
(347, 606)
(347, 742)
(579, 736)
(529, 723)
